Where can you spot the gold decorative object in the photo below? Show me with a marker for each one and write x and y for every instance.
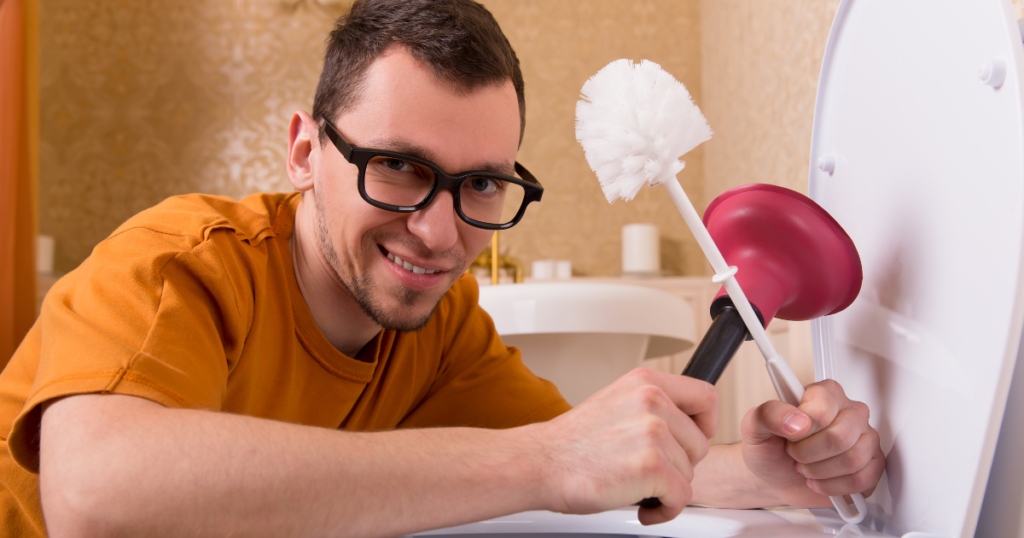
(492, 261)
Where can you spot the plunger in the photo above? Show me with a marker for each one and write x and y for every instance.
(793, 260)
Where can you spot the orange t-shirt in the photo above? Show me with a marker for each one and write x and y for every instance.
(194, 304)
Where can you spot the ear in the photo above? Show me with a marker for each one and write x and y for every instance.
(303, 150)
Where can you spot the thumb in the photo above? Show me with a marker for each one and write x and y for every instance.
(774, 419)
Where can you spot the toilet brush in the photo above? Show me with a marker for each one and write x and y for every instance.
(634, 122)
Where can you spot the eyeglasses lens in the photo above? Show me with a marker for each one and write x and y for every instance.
(405, 183)
(396, 181)
(491, 200)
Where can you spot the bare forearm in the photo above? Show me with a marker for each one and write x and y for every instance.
(199, 473)
(722, 480)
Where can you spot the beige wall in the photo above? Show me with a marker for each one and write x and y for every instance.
(145, 99)
(760, 61)
(560, 45)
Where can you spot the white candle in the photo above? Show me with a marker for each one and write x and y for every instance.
(641, 250)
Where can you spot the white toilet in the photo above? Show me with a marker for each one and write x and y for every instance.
(918, 151)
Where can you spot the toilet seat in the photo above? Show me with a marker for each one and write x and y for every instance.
(694, 522)
(918, 152)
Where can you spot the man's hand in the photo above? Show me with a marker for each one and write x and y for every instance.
(639, 437)
(823, 448)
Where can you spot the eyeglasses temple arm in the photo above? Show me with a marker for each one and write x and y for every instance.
(343, 147)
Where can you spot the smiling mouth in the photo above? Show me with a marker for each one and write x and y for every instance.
(415, 269)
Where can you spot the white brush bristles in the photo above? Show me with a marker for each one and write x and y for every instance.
(634, 123)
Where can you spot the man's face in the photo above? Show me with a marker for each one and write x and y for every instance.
(403, 107)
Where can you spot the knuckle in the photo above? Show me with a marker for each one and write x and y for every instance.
(649, 462)
(641, 375)
(818, 411)
(830, 386)
(710, 394)
(862, 410)
(857, 459)
(795, 452)
(763, 412)
(701, 449)
(650, 397)
(861, 480)
(839, 438)
(873, 440)
(652, 431)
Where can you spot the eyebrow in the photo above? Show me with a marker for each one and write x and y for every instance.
(398, 145)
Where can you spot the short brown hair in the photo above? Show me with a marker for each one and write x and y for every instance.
(459, 41)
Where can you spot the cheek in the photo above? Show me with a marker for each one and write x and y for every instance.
(476, 240)
(347, 215)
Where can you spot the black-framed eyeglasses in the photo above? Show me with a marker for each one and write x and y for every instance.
(404, 184)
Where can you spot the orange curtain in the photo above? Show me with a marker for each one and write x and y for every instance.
(18, 133)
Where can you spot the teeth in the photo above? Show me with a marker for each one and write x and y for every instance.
(410, 267)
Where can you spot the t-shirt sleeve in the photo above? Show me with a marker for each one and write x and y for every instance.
(148, 314)
(481, 381)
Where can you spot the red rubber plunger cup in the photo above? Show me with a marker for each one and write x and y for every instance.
(794, 262)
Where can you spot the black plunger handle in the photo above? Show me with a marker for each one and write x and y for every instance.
(716, 349)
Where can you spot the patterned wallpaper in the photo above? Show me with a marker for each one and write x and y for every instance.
(760, 62)
(560, 45)
(144, 99)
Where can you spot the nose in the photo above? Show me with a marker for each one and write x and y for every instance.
(435, 224)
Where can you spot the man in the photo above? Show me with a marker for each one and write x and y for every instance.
(194, 375)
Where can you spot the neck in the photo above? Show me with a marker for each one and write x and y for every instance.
(334, 310)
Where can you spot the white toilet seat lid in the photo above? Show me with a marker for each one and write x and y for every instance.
(921, 161)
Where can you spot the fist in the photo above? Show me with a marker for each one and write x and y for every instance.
(822, 448)
(639, 437)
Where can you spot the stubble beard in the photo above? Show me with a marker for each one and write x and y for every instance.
(362, 288)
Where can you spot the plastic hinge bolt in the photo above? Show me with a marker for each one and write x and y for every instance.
(827, 163)
(993, 72)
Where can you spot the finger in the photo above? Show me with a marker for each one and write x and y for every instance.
(846, 463)
(823, 402)
(698, 399)
(862, 481)
(684, 430)
(688, 437)
(841, 435)
(774, 419)
(660, 445)
(669, 429)
(674, 496)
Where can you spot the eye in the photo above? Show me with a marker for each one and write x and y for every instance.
(398, 165)
(483, 185)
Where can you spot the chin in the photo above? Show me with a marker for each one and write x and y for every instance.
(400, 319)
(401, 309)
